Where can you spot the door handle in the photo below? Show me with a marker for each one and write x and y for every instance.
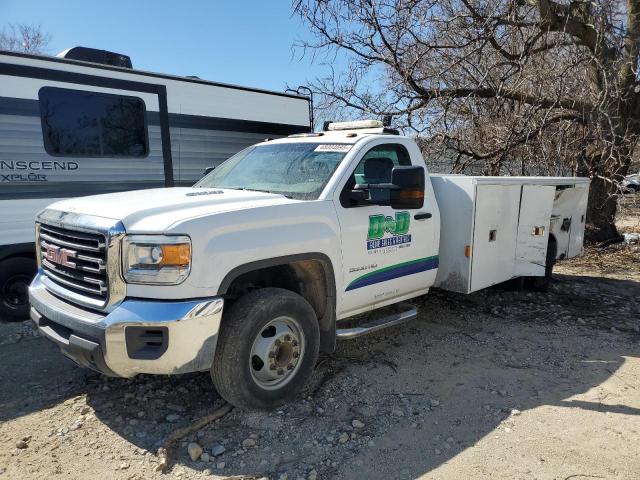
(422, 215)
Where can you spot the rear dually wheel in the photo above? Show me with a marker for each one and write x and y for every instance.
(541, 284)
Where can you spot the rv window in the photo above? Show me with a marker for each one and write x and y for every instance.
(77, 123)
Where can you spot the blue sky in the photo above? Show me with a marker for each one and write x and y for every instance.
(246, 42)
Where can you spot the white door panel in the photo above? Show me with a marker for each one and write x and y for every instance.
(567, 221)
(386, 253)
(536, 205)
(576, 240)
(494, 236)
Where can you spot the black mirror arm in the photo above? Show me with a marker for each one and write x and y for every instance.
(358, 195)
(380, 186)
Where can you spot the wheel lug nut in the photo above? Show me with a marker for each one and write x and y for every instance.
(290, 366)
(294, 343)
(277, 343)
(272, 354)
(287, 338)
(280, 371)
(296, 354)
(272, 367)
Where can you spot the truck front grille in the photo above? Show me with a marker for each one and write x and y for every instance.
(75, 261)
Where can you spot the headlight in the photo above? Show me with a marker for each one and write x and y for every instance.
(156, 259)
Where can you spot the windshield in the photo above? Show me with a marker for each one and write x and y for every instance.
(297, 170)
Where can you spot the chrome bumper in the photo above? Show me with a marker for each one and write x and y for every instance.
(138, 336)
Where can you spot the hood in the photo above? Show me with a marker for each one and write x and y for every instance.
(156, 210)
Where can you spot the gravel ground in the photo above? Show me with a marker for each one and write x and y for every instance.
(628, 214)
(498, 384)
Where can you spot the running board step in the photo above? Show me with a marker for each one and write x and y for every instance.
(403, 313)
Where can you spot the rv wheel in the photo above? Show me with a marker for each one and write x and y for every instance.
(15, 276)
(267, 349)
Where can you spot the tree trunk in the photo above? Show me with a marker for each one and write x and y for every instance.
(604, 188)
(601, 211)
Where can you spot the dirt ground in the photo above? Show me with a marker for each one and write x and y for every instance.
(496, 385)
(628, 214)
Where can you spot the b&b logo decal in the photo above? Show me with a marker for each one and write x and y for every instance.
(381, 226)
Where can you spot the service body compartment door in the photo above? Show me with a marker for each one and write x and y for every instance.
(567, 220)
(533, 229)
(494, 234)
(576, 240)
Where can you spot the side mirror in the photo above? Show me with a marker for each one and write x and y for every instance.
(409, 187)
(408, 177)
(406, 190)
(208, 170)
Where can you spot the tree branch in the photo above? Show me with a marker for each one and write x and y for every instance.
(490, 92)
(556, 17)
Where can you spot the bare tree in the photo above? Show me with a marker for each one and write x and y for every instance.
(24, 38)
(506, 86)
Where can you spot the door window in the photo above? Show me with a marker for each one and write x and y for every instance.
(375, 167)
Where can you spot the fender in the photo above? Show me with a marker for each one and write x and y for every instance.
(327, 323)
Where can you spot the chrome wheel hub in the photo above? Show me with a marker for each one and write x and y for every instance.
(276, 353)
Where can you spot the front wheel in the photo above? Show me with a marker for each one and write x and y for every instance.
(267, 348)
(16, 274)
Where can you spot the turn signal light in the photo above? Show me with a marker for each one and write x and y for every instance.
(407, 194)
(177, 255)
(467, 251)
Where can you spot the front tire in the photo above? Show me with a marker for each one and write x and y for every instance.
(16, 274)
(267, 349)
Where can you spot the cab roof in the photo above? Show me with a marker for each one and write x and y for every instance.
(342, 132)
(345, 136)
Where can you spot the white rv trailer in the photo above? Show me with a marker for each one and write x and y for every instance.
(71, 127)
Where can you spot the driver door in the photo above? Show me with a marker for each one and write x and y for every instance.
(386, 253)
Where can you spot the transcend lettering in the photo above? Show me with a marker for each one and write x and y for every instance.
(37, 165)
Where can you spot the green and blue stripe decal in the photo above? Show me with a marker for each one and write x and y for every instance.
(394, 271)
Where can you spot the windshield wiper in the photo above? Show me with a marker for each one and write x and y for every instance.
(258, 190)
(255, 190)
(244, 188)
(268, 191)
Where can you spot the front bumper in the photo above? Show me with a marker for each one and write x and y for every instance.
(138, 336)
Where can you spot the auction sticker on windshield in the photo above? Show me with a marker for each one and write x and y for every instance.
(333, 147)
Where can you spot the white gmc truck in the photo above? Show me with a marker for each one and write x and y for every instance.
(281, 250)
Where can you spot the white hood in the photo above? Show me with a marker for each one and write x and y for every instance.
(157, 209)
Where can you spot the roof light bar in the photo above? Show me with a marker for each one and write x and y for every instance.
(357, 124)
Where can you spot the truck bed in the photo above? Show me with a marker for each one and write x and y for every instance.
(493, 229)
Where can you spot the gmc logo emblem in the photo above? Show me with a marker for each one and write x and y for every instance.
(59, 256)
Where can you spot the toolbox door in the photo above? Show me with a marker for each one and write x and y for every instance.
(494, 234)
(578, 217)
(536, 206)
